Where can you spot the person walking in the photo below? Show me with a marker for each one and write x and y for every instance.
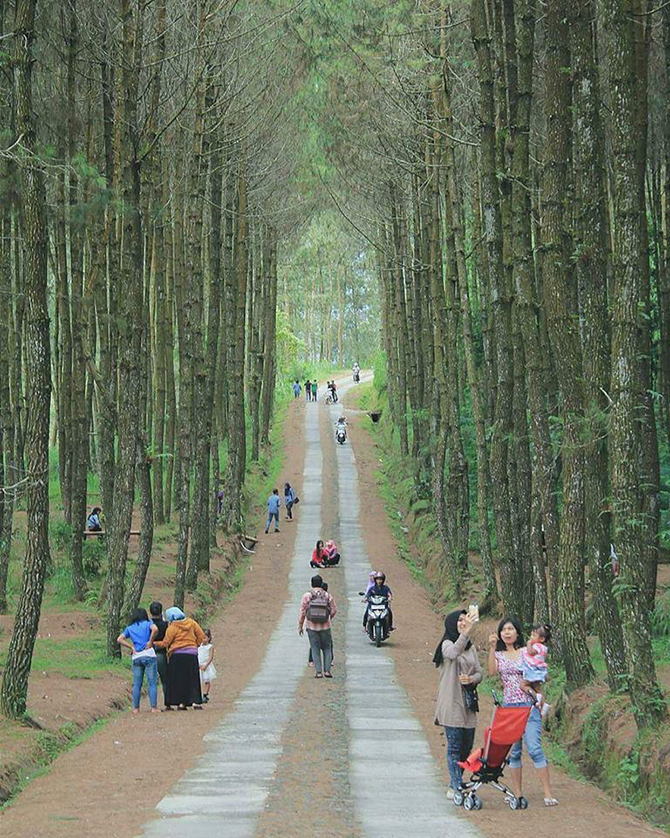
(460, 672)
(289, 500)
(274, 502)
(138, 636)
(505, 659)
(308, 390)
(156, 612)
(296, 389)
(315, 390)
(317, 609)
(181, 641)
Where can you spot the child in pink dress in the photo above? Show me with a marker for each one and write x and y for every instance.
(534, 664)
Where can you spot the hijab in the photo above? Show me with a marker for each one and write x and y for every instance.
(174, 613)
(450, 633)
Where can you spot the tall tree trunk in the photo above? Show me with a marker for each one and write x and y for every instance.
(561, 304)
(130, 307)
(591, 271)
(625, 432)
(511, 569)
(19, 657)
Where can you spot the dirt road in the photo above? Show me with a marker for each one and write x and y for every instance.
(278, 751)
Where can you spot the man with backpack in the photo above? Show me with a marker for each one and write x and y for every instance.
(317, 608)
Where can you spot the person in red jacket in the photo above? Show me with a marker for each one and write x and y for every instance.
(319, 555)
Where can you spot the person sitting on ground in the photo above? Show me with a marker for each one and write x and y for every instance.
(380, 588)
(138, 636)
(319, 555)
(93, 521)
(332, 555)
(317, 608)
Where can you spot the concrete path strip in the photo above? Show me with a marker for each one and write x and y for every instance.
(228, 786)
(394, 778)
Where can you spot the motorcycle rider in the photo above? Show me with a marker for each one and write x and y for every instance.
(341, 424)
(380, 588)
(357, 372)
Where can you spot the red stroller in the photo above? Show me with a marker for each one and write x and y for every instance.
(488, 763)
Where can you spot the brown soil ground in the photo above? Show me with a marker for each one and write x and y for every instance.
(583, 809)
(110, 784)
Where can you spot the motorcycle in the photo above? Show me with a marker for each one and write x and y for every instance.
(377, 625)
(357, 377)
(341, 434)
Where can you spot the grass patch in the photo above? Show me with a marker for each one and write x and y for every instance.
(75, 657)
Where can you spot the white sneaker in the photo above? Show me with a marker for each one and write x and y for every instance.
(450, 794)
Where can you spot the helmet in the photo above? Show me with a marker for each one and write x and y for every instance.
(380, 575)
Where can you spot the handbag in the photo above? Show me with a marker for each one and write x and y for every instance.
(471, 698)
(296, 500)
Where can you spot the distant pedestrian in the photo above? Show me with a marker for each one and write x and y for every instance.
(289, 500)
(219, 501)
(308, 390)
(156, 612)
(315, 388)
(138, 636)
(296, 389)
(274, 502)
(207, 670)
(317, 608)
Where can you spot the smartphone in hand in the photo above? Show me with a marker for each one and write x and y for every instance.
(473, 611)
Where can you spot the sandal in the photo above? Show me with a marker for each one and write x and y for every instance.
(550, 801)
(328, 674)
(319, 675)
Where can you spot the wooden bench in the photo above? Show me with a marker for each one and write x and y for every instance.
(94, 533)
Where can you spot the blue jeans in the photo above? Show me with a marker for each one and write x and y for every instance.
(532, 736)
(140, 666)
(272, 515)
(459, 747)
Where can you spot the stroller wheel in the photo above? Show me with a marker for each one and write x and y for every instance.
(514, 803)
(476, 802)
(469, 803)
(523, 803)
(458, 798)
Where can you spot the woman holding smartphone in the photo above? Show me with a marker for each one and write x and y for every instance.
(460, 672)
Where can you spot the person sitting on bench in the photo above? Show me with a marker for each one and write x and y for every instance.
(93, 521)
